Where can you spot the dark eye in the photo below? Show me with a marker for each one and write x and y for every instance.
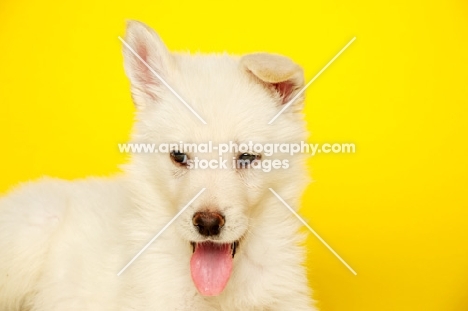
(245, 159)
(179, 157)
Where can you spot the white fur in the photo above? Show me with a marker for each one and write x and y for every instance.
(62, 243)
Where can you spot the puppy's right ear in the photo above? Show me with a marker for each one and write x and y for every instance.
(145, 57)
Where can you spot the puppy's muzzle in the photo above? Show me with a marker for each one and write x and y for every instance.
(208, 223)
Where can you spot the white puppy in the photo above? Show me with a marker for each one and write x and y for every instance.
(235, 247)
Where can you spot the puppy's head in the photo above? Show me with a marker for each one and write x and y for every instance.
(206, 117)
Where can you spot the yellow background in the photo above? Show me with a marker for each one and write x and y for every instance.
(396, 210)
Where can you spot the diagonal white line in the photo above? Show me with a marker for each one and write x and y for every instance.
(313, 232)
(163, 81)
(160, 232)
(286, 106)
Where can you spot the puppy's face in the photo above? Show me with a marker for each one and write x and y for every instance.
(210, 144)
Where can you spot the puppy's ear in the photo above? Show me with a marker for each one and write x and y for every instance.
(145, 49)
(278, 73)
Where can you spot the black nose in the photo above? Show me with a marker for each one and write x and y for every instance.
(208, 223)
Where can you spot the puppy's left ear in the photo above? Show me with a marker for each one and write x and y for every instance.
(278, 73)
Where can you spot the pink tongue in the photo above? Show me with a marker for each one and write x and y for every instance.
(211, 267)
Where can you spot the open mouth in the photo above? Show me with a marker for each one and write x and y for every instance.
(211, 266)
(234, 245)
